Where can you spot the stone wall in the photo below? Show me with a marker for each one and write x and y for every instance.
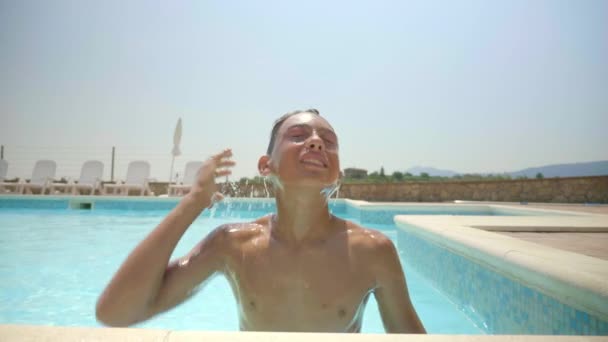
(557, 190)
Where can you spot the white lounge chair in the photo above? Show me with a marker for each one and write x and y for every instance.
(190, 174)
(138, 177)
(7, 187)
(42, 177)
(90, 179)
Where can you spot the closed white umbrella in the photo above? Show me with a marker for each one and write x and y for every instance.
(177, 138)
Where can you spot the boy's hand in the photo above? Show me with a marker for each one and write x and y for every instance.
(204, 188)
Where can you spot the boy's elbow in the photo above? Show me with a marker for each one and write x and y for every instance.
(108, 317)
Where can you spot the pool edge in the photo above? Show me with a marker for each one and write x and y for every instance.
(577, 280)
(15, 332)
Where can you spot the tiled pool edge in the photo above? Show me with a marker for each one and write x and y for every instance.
(46, 333)
(364, 212)
(577, 280)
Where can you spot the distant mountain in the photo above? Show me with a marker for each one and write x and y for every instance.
(598, 168)
(417, 170)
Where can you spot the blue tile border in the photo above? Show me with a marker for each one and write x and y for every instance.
(24, 203)
(228, 207)
(500, 304)
(366, 213)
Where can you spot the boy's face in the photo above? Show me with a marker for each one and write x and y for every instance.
(305, 152)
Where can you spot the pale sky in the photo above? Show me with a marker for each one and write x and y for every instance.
(472, 86)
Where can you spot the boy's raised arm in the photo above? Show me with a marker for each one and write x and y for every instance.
(146, 283)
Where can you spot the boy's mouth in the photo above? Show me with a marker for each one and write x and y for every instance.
(315, 159)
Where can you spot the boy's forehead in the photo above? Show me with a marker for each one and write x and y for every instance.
(308, 119)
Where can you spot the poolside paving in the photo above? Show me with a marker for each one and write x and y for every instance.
(32, 333)
(591, 244)
(585, 208)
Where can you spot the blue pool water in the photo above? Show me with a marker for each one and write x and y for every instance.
(54, 262)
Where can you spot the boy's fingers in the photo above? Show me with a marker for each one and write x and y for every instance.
(217, 197)
(226, 163)
(227, 153)
(222, 173)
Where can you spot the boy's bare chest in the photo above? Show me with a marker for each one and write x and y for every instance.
(323, 286)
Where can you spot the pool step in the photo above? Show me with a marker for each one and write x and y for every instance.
(81, 204)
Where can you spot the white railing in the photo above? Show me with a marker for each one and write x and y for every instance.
(69, 159)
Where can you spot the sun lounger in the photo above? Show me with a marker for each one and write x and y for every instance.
(190, 174)
(138, 176)
(42, 177)
(90, 179)
(7, 187)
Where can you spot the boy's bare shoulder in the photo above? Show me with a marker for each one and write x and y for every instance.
(368, 240)
(375, 248)
(241, 232)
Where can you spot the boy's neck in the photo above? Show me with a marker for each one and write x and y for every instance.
(302, 215)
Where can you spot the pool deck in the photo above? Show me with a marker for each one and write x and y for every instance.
(583, 208)
(591, 244)
(27, 333)
(594, 244)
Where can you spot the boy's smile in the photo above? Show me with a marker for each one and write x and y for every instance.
(314, 159)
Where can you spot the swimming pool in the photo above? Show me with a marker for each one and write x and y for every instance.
(55, 260)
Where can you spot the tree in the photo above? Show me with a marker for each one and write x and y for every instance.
(424, 175)
(397, 175)
(382, 172)
(539, 175)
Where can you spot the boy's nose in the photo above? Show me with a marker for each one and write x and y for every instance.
(315, 143)
(315, 146)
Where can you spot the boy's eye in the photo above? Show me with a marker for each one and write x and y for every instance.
(297, 134)
(330, 143)
(329, 139)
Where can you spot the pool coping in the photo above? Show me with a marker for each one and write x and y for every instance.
(13, 332)
(578, 280)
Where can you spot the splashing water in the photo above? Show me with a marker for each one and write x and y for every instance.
(244, 189)
(330, 190)
(235, 189)
(266, 188)
(212, 210)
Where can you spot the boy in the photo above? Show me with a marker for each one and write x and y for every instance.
(301, 269)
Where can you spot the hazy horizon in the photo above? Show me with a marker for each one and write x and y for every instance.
(471, 86)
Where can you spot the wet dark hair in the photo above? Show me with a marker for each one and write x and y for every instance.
(279, 122)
